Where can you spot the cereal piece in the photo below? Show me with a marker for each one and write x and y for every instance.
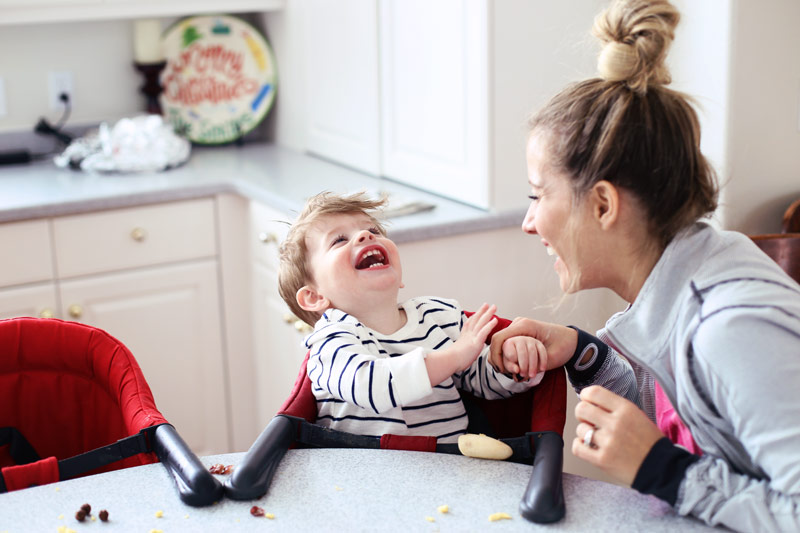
(256, 511)
(86, 508)
(430, 519)
(61, 517)
(103, 515)
(499, 516)
(159, 514)
(156, 531)
(80, 516)
(270, 516)
(444, 509)
(61, 529)
(216, 468)
(483, 447)
(337, 487)
(187, 516)
(228, 470)
(94, 518)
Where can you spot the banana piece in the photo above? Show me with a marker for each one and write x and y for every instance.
(483, 447)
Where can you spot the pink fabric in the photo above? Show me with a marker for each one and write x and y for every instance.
(671, 425)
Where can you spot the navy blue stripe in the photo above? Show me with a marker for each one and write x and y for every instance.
(452, 433)
(363, 418)
(429, 311)
(417, 339)
(441, 343)
(432, 404)
(436, 421)
(391, 394)
(333, 360)
(353, 389)
(440, 386)
(443, 303)
(341, 374)
(328, 400)
(371, 374)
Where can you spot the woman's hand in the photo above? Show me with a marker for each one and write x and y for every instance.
(622, 437)
(559, 341)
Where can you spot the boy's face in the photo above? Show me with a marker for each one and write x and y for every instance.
(353, 265)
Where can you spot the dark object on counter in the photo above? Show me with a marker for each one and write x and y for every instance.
(152, 86)
(538, 415)
(15, 158)
(103, 515)
(66, 388)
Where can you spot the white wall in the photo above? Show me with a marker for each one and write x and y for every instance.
(764, 133)
(99, 56)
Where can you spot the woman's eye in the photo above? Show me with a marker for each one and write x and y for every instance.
(533, 197)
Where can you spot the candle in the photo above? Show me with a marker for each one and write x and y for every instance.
(147, 41)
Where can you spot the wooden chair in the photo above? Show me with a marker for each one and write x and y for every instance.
(784, 248)
(791, 218)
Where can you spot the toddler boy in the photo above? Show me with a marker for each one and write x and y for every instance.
(377, 366)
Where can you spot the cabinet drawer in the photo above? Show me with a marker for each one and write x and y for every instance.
(27, 257)
(141, 236)
(268, 228)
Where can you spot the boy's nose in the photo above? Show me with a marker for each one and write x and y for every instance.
(365, 236)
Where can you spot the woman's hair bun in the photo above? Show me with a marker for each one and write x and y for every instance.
(636, 35)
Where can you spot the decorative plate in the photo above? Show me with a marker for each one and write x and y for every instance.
(219, 82)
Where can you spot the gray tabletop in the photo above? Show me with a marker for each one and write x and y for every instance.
(340, 490)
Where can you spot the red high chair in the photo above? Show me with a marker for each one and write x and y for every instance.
(531, 423)
(74, 402)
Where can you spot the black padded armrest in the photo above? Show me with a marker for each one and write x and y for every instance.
(196, 485)
(543, 501)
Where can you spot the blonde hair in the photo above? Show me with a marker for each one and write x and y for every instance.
(294, 271)
(627, 128)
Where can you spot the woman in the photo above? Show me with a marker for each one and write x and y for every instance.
(619, 188)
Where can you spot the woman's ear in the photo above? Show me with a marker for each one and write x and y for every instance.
(605, 203)
(310, 300)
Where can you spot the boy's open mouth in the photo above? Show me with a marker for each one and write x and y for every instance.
(371, 258)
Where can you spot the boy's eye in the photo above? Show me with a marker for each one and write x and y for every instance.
(374, 230)
(338, 239)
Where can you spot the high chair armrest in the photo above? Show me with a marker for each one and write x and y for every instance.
(252, 477)
(543, 501)
(196, 485)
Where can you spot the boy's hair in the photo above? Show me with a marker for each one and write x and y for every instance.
(294, 272)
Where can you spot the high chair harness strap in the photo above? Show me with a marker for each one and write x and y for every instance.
(321, 437)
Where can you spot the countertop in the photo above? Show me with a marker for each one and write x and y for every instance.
(341, 490)
(279, 177)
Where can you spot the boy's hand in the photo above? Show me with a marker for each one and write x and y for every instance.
(473, 336)
(524, 357)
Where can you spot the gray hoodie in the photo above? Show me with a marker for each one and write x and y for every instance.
(717, 323)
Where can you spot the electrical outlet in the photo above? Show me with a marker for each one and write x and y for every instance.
(60, 83)
(3, 111)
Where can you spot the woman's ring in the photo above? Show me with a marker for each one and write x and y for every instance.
(587, 439)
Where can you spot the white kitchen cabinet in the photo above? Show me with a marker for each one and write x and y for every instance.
(399, 89)
(37, 300)
(148, 276)
(278, 349)
(455, 81)
(35, 11)
(168, 317)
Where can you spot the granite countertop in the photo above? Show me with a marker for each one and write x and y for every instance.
(279, 177)
(341, 490)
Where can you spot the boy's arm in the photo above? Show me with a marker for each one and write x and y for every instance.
(485, 382)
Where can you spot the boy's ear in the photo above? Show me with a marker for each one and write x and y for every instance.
(310, 300)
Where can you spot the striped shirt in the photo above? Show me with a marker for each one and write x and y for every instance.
(371, 383)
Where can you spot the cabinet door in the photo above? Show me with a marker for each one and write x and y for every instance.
(169, 318)
(27, 254)
(342, 78)
(37, 300)
(434, 96)
(278, 345)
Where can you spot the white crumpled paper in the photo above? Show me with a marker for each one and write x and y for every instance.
(140, 144)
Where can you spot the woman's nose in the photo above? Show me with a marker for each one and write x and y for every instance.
(528, 225)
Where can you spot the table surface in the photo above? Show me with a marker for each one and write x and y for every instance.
(340, 490)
